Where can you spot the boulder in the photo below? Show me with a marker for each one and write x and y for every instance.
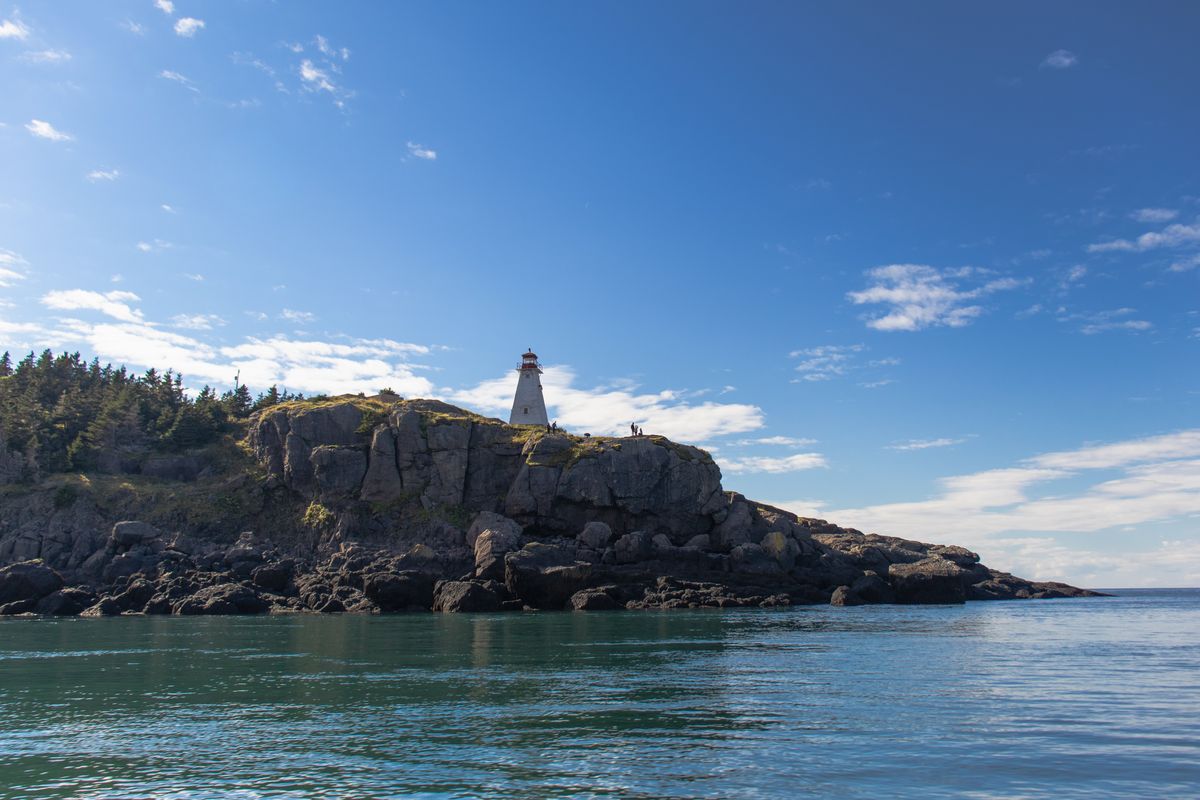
(400, 591)
(932, 580)
(464, 596)
(65, 602)
(595, 535)
(274, 577)
(27, 580)
(844, 596)
(752, 559)
(489, 520)
(545, 576)
(632, 548)
(490, 548)
(105, 607)
(130, 532)
(135, 596)
(224, 598)
(594, 600)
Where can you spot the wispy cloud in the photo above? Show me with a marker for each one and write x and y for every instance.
(116, 304)
(1154, 214)
(156, 246)
(188, 27)
(1060, 59)
(425, 153)
(1116, 319)
(782, 441)
(300, 317)
(1186, 264)
(1176, 235)
(103, 175)
(182, 80)
(46, 57)
(196, 322)
(328, 50)
(12, 268)
(919, 296)
(13, 29)
(165, 6)
(772, 465)
(44, 130)
(825, 362)
(924, 444)
(134, 28)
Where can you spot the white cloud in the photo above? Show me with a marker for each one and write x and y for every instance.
(300, 317)
(187, 27)
(782, 441)
(1154, 214)
(1060, 59)
(158, 245)
(1175, 235)
(45, 130)
(1116, 319)
(1186, 264)
(793, 463)
(1076, 273)
(12, 267)
(46, 57)
(332, 52)
(425, 153)
(183, 80)
(13, 29)
(196, 322)
(133, 27)
(311, 366)
(316, 79)
(165, 6)
(193, 276)
(924, 444)
(1133, 482)
(103, 175)
(919, 296)
(824, 362)
(1183, 444)
(610, 410)
(167, 208)
(114, 304)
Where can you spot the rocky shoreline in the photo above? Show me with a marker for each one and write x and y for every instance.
(375, 505)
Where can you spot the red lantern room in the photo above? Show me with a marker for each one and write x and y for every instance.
(529, 360)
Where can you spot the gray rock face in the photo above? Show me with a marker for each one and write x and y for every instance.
(338, 470)
(545, 576)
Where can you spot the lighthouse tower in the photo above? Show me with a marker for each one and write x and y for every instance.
(529, 407)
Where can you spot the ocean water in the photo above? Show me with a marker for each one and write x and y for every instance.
(1066, 698)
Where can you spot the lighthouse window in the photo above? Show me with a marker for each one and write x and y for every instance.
(525, 411)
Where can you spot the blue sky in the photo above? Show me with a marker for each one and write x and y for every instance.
(929, 270)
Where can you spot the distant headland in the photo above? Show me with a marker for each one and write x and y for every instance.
(120, 494)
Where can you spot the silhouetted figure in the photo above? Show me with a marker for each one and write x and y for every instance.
(632, 429)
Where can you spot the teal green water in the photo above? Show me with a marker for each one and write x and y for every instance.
(1070, 698)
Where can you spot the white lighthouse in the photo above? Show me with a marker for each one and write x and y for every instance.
(529, 407)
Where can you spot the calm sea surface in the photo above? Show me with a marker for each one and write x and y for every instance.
(1064, 698)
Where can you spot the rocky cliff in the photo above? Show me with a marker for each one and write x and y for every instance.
(378, 504)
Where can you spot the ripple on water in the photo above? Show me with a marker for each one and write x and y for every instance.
(1071, 698)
